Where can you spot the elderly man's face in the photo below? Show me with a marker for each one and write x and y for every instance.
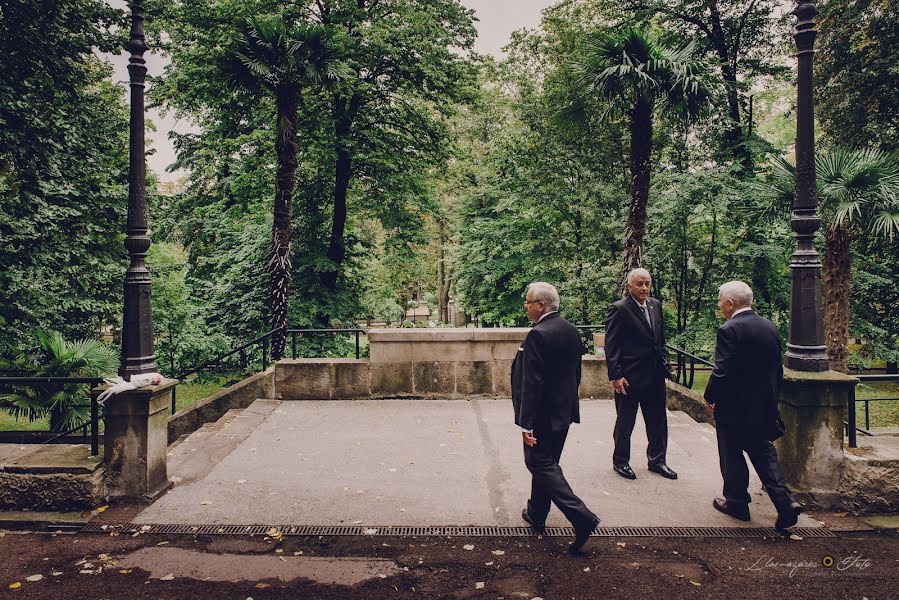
(639, 286)
(534, 308)
(726, 306)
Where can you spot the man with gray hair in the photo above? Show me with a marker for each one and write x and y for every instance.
(638, 366)
(546, 374)
(743, 390)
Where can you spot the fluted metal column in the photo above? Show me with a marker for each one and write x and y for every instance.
(137, 326)
(805, 347)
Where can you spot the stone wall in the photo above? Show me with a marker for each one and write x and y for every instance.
(212, 408)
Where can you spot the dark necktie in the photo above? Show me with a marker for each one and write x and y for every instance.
(646, 314)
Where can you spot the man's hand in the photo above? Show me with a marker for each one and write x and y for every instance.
(620, 386)
(529, 438)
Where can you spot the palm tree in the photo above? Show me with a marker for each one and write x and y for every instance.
(66, 405)
(637, 75)
(858, 190)
(283, 60)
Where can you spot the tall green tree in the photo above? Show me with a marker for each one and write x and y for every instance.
(740, 37)
(283, 59)
(638, 75)
(63, 169)
(858, 191)
(856, 68)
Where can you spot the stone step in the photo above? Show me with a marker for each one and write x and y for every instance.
(202, 450)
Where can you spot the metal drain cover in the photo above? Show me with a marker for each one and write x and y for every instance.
(449, 531)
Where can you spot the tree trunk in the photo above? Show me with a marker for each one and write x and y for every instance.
(285, 181)
(837, 284)
(343, 122)
(640, 170)
(444, 277)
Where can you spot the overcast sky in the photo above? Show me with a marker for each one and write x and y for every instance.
(497, 19)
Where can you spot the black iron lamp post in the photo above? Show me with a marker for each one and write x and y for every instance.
(805, 346)
(137, 326)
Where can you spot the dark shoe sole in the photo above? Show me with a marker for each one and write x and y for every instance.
(787, 521)
(580, 538)
(630, 475)
(539, 528)
(740, 516)
(671, 475)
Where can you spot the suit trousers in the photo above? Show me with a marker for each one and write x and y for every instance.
(651, 401)
(733, 441)
(548, 483)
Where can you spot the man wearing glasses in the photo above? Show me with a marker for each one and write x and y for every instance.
(546, 374)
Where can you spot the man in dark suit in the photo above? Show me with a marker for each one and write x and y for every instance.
(546, 374)
(638, 366)
(743, 391)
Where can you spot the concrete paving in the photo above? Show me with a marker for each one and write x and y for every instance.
(436, 462)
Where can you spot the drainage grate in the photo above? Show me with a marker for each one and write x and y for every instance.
(449, 531)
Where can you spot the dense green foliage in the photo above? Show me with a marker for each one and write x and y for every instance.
(63, 170)
(424, 171)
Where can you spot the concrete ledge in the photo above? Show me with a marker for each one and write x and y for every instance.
(51, 491)
(595, 378)
(53, 459)
(869, 485)
(323, 379)
(212, 408)
(686, 400)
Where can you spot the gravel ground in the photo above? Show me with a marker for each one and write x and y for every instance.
(96, 567)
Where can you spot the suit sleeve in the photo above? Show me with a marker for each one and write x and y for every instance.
(613, 343)
(723, 372)
(532, 388)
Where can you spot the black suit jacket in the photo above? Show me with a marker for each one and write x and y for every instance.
(745, 382)
(633, 350)
(546, 374)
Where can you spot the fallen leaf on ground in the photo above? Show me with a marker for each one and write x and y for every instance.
(56, 573)
(262, 586)
(795, 536)
(168, 577)
(479, 585)
(370, 531)
(100, 509)
(34, 578)
(586, 569)
(696, 583)
(124, 571)
(205, 502)
(468, 546)
(104, 557)
(499, 552)
(488, 563)
(15, 586)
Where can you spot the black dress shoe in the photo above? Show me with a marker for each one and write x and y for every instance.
(789, 517)
(625, 471)
(663, 470)
(729, 508)
(538, 527)
(581, 535)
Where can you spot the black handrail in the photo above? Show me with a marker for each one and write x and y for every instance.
(263, 341)
(852, 427)
(94, 420)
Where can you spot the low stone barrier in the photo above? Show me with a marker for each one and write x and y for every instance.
(211, 408)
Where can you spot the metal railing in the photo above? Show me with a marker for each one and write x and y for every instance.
(93, 423)
(263, 342)
(852, 427)
(685, 362)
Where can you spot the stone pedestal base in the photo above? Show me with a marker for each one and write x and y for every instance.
(811, 452)
(135, 442)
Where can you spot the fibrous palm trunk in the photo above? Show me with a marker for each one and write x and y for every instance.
(640, 169)
(837, 284)
(279, 267)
